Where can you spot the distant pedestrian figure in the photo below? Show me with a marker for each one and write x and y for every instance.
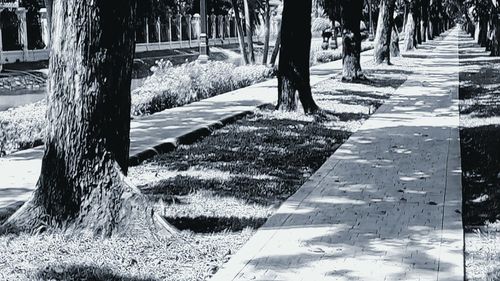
(326, 34)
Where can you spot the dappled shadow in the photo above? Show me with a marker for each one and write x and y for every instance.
(385, 206)
(82, 272)
(480, 134)
(267, 159)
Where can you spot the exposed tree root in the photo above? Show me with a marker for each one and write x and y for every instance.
(129, 213)
(324, 115)
(359, 78)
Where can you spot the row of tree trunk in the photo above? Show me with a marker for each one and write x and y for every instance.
(246, 41)
(424, 20)
(485, 27)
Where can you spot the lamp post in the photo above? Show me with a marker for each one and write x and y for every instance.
(370, 26)
(203, 57)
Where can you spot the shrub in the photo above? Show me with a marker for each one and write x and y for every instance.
(320, 24)
(22, 127)
(322, 56)
(171, 86)
(168, 87)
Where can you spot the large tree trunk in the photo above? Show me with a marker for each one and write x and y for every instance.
(384, 30)
(268, 31)
(293, 69)
(409, 43)
(248, 27)
(351, 40)
(82, 185)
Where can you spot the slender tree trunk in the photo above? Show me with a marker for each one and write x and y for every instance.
(241, 35)
(384, 30)
(425, 19)
(248, 27)
(351, 40)
(293, 70)
(410, 33)
(495, 43)
(395, 43)
(277, 46)
(483, 25)
(477, 28)
(335, 36)
(417, 19)
(268, 31)
(82, 185)
(405, 18)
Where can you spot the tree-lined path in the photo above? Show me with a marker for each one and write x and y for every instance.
(387, 205)
(153, 134)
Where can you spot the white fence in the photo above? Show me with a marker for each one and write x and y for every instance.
(176, 32)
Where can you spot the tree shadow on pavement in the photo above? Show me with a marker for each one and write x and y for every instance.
(81, 272)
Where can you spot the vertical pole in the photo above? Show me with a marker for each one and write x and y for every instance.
(227, 25)
(158, 30)
(189, 24)
(147, 31)
(203, 36)
(45, 27)
(235, 27)
(179, 28)
(23, 31)
(221, 26)
(213, 20)
(370, 25)
(170, 30)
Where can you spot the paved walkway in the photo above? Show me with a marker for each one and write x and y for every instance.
(20, 171)
(387, 204)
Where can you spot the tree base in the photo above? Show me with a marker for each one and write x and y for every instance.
(131, 215)
(360, 78)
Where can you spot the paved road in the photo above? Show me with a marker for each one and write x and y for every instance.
(387, 204)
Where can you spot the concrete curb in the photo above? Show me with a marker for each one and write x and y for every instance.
(190, 137)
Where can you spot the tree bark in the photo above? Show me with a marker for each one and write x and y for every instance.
(268, 31)
(384, 30)
(425, 19)
(395, 43)
(351, 40)
(82, 185)
(410, 33)
(417, 19)
(248, 27)
(241, 35)
(483, 27)
(293, 69)
(277, 46)
(495, 43)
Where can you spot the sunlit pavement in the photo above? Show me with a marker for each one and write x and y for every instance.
(387, 205)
